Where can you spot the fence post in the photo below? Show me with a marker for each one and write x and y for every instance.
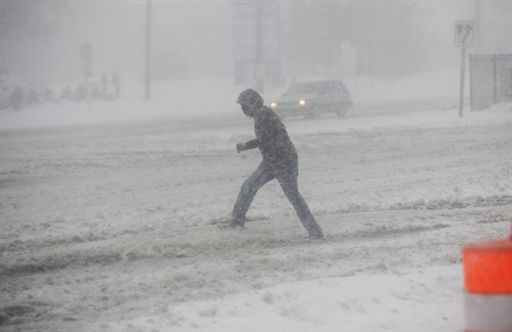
(494, 80)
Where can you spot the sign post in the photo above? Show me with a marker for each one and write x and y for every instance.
(463, 39)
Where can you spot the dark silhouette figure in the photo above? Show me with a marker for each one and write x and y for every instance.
(279, 162)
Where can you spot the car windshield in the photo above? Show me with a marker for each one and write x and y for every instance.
(306, 88)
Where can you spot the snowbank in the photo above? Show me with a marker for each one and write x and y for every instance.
(174, 99)
(192, 98)
(428, 299)
(422, 86)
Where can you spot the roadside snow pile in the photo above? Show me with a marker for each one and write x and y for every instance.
(421, 86)
(189, 98)
(428, 299)
(173, 99)
(432, 118)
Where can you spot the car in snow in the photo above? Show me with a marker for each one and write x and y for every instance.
(312, 98)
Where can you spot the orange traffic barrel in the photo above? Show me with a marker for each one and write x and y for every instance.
(488, 286)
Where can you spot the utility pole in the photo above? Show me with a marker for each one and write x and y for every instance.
(147, 94)
(463, 38)
(259, 68)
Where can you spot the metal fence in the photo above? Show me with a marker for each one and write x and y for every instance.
(491, 79)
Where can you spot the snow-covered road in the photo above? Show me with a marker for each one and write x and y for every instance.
(103, 224)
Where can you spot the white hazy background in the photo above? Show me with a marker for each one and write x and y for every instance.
(40, 40)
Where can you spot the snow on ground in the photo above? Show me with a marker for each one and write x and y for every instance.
(112, 225)
(427, 299)
(170, 99)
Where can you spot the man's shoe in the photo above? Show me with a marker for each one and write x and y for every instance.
(316, 236)
(232, 225)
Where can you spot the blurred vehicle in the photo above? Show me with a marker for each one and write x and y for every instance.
(313, 98)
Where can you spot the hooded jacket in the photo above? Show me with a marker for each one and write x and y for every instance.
(272, 139)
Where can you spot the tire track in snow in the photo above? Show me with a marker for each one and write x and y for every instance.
(208, 241)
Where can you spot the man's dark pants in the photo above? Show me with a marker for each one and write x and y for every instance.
(287, 177)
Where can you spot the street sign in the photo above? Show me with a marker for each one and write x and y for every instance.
(463, 38)
(464, 33)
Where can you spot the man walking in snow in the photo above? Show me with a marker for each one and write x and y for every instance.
(279, 162)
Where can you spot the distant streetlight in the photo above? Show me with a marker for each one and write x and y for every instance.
(147, 94)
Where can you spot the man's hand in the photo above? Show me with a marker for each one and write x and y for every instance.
(240, 147)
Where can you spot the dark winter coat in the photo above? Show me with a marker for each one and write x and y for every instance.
(272, 139)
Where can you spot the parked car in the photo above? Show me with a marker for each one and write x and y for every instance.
(313, 98)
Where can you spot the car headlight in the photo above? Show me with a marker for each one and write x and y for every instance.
(273, 104)
(302, 102)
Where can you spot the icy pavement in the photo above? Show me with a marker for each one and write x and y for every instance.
(113, 226)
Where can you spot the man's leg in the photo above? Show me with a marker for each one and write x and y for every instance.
(258, 178)
(288, 181)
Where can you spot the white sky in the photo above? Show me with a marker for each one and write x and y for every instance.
(200, 31)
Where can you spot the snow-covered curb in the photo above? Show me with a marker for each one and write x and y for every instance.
(421, 299)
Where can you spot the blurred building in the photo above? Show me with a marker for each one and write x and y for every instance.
(491, 61)
(257, 43)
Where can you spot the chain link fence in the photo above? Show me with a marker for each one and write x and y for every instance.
(491, 79)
